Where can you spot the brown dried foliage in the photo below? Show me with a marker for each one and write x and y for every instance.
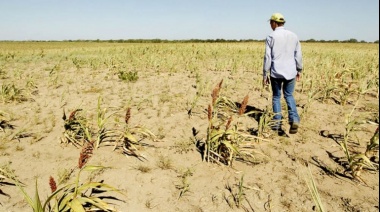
(214, 95)
(209, 112)
(52, 184)
(72, 114)
(228, 123)
(243, 106)
(215, 92)
(85, 154)
(127, 115)
(220, 84)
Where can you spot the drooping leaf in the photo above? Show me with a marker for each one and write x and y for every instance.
(76, 206)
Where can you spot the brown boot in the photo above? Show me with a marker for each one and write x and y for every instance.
(293, 128)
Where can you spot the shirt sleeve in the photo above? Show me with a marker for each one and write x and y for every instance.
(267, 56)
(298, 57)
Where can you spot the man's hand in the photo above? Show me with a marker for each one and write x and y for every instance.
(298, 77)
(265, 81)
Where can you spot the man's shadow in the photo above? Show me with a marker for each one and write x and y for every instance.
(254, 112)
(257, 115)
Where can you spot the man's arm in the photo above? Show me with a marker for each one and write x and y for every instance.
(298, 57)
(267, 60)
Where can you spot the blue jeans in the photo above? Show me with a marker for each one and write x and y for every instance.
(288, 88)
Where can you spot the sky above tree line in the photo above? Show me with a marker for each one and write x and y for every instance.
(182, 20)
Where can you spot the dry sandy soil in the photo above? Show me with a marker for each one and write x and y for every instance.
(160, 102)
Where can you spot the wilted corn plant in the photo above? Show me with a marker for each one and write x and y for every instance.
(7, 177)
(131, 137)
(74, 196)
(78, 132)
(224, 140)
(103, 135)
(372, 148)
(9, 93)
(74, 128)
(356, 162)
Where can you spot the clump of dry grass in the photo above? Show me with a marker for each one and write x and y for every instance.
(184, 146)
(184, 186)
(143, 168)
(11, 93)
(164, 162)
(237, 195)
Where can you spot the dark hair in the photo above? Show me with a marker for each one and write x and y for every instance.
(278, 23)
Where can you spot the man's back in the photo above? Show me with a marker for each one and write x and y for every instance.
(284, 53)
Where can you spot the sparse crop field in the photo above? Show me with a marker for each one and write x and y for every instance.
(184, 127)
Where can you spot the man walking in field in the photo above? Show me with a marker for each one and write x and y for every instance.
(282, 68)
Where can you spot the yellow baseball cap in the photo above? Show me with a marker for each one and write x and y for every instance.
(277, 17)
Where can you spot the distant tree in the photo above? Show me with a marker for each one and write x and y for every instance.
(310, 41)
(352, 40)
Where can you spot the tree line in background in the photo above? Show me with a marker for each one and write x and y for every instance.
(352, 40)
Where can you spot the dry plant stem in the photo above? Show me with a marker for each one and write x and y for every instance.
(314, 191)
(358, 161)
(208, 139)
(210, 111)
(102, 134)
